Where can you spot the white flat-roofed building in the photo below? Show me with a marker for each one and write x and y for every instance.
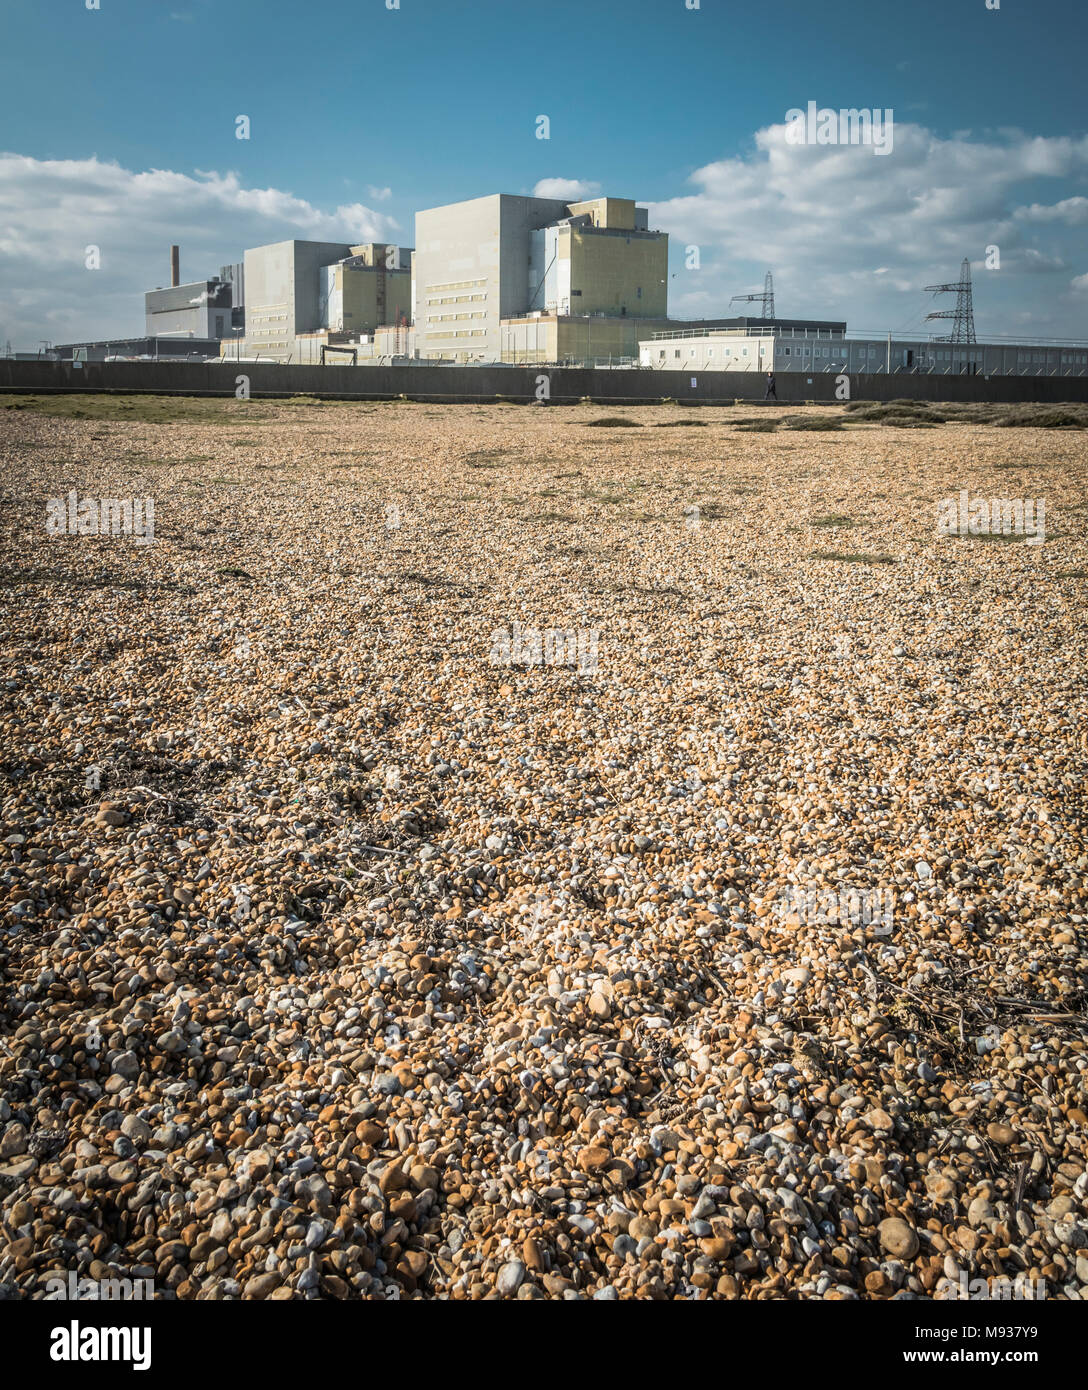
(811, 348)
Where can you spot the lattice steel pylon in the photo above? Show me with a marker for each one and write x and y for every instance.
(766, 298)
(963, 315)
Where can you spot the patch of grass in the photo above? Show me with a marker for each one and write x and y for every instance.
(1045, 417)
(486, 458)
(854, 557)
(757, 426)
(612, 422)
(681, 424)
(426, 581)
(812, 422)
(894, 412)
(906, 414)
(109, 406)
(1072, 574)
(833, 519)
(233, 572)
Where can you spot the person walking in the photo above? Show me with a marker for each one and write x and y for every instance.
(770, 393)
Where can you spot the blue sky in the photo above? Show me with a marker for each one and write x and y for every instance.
(360, 115)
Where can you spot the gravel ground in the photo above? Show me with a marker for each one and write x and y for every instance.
(719, 931)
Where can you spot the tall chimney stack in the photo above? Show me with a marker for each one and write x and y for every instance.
(175, 265)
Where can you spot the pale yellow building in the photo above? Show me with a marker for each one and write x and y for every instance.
(364, 292)
(563, 338)
(600, 262)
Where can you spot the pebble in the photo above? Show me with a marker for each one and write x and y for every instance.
(375, 969)
(898, 1238)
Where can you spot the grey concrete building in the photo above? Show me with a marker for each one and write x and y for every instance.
(494, 258)
(201, 309)
(283, 292)
(294, 288)
(472, 271)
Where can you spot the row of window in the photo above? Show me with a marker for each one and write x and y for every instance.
(459, 285)
(460, 333)
(456, 299)
(709, 352)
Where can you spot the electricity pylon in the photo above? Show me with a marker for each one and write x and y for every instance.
(963, 315)
(766, 298)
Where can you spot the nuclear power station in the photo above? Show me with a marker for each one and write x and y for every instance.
(509, 279)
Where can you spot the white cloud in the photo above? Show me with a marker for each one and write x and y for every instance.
(570, 190)
(1073, 211)
(1079, 284)
(378, 195)
(52, 210)
(852, 235)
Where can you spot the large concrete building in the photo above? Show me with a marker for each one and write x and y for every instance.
(502, 257)
(201, 309)
(756, 345)
(297, 289)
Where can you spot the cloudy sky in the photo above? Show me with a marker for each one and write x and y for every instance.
(120, 129)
